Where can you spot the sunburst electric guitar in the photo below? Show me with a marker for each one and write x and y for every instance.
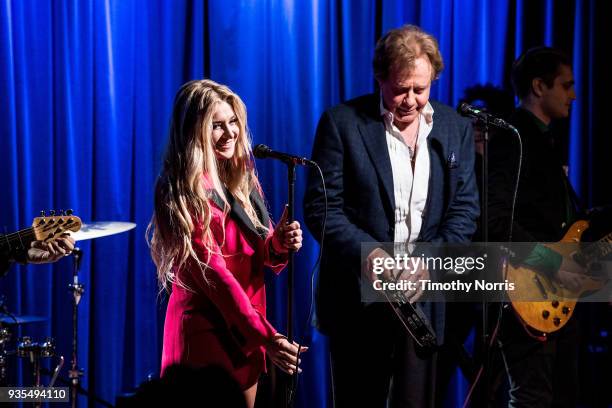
(554, 304)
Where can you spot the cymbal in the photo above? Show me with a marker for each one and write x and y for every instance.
(101, 229)
(7, 319)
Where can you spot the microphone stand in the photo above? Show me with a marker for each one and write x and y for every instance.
(286, 382)
(286, 398)
(290, 279)
(484, 226)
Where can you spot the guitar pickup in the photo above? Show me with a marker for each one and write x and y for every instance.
(538, 283)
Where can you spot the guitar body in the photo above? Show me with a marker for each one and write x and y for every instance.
(553, 304)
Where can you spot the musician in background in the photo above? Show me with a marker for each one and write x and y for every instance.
(38, 252)
(212, 238)
(398, 168)
(462, 317)
(541, 373)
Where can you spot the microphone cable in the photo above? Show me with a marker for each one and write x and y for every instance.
(296, 377)
(505, 266)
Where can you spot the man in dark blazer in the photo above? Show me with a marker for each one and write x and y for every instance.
(397, 168)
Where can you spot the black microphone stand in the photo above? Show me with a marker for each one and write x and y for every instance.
(484, 227)
(287, 382)
(287, 398)
(290, 279)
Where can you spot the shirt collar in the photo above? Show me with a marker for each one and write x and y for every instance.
(543, 127)
(426, 113)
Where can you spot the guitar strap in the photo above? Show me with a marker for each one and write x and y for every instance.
(574, 199)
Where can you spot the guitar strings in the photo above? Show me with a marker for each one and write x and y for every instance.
(596, 250)
(27, 232)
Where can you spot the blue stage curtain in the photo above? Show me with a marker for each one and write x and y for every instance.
(86, 90)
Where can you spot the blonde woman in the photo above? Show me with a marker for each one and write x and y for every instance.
(212, 238)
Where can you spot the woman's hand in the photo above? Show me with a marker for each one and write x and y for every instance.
(283, 354)
(287, 236)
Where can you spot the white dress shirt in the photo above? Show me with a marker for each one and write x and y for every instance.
(410, 188)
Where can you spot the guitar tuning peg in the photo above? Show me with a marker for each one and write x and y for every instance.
(69, 212)
(42, 213)
(52, 213)
(60, 212)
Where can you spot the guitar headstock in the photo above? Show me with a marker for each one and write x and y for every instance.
(48, 227)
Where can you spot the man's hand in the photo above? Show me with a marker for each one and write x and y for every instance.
(376, 262)
(46, 252)
(415, 275)
(570, 275)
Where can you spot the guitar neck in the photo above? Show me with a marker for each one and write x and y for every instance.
(17, 240)
(43, 229)
(598, 249)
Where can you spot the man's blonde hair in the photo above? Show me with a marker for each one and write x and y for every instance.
(399, 48)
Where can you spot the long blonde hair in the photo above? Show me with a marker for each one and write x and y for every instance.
(180, 196)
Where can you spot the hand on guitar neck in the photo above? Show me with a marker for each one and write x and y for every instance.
(47, 240)
(50, 251)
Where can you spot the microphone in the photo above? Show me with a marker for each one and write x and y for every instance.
(466, 109)
(262, 151)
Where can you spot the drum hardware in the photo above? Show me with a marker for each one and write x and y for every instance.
(88, 231)
(35, 351)
(2, 368)
(77, 289)
(56, 371)
(5, 337)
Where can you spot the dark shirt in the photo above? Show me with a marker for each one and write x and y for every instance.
(544, 208)
(9, 255)
(5, 262)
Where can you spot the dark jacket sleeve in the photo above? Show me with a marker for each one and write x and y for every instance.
(4, 265)
(343, 236)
